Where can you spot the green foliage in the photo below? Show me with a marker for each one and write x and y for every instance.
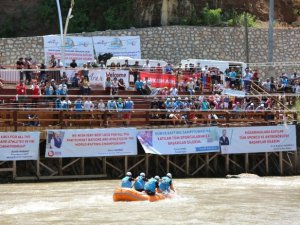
(239, 20)
(211, 17)
(96, 15)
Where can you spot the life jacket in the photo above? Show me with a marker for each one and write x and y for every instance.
(151, 185)
(140, 183)
(165, 183)
(126, 182)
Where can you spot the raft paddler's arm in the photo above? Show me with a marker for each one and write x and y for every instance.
(172, 187)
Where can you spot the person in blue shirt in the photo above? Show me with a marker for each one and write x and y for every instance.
(152, 185)
(166, 185)
(139, 86)
(140, 182)
(127, 180)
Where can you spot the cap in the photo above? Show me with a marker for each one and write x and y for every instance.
(157, 177)
(169, 175)
(52, 80)
(179, 98)
(173, 99)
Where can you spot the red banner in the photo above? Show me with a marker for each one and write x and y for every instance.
(159, 80)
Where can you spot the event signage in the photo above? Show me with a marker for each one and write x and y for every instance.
(78, 48)
(159, 80)
(179, 141)
(258, 139)
(129, 46)
(19, 146)
(91, 142)
(98, 77)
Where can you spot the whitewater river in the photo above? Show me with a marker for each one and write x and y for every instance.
(272, 200)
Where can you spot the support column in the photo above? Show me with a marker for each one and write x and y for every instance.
(187, 165)
(227, 164)
(281, 163)
(207, 163)
(82, 166)
(267, 163)
(168, 163)
(246, 162)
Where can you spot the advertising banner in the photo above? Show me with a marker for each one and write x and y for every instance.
(129, 46)
(159, 80)
(19, 146)
(78, 48)
(258, 139)
(91, 142)
(179, 141)
(98, 76)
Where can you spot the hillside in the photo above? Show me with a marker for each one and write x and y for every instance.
(39, 17)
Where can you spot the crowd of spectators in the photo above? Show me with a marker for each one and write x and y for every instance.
(184, 96)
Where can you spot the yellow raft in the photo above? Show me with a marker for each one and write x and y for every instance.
(129, 194)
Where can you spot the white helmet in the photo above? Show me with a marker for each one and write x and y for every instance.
(129, 174)
(169, 175)
(142, 174)
(157, 177)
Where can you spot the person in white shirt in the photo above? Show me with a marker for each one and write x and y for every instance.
(147, 66)
(88, 105)
(191, 86)
(174, 91)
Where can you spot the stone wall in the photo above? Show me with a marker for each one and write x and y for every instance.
(173, 43)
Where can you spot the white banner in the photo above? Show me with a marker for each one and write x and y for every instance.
(91, 143)
(258, 139)
(78, 48)
(119, 46)
(232, 92)
(98, 76)
(19, 146)
(179, 141)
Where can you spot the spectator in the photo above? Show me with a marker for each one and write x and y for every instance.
(73, 64)
(58, 105)
(54, 86)
(191, 87)
(139, 86)
(115, 86)
(36, 92)
(102, 107)
(135, 71)
(20, 66)
(128, 107)
(66, 103)
(1, 83)
(59, 64)
(147, 66)
(108, 85)
(158, 68)
(174, 91)
(247, 80)
(62, 88)
(85, 87)
(88, 105)
(121, 84)
(120, 107)
(78, 107)
(21, 92)
(169, 68)
(147, 86)
(85, 72)
(125, 66)
(42, 68)
(27, 67)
